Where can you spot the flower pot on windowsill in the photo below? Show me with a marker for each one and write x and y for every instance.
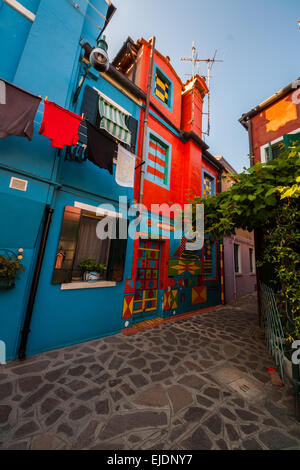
(6, 284)
(92, 270)
(91, 276)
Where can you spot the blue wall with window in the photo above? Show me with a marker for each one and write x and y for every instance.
(45, 60)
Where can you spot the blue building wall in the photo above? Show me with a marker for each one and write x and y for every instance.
(44, 59)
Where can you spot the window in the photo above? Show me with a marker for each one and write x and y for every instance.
(251, 260)
(158, 161)
(237, 259)
(209, 184)
(113, 120)
(103, 112)
(79, 241)
(273, 149)
(163, 88)
(89, 245)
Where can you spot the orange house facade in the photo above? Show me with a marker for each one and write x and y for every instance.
(271, 120)
(167, 279)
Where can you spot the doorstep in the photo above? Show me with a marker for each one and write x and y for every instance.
(149, 324)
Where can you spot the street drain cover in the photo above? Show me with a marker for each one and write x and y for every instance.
(233, 378)
(248, 388)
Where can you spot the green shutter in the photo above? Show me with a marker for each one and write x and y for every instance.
(291, 140)
(117, 258)
(67, 244)
(113, 121)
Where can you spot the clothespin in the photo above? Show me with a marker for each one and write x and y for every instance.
(82, 115)
(46, 98)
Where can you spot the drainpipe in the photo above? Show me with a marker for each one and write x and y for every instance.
(234, 274)
(248, 124)
(134, 61)
(251, 150)
(146, 120)
(34, 284)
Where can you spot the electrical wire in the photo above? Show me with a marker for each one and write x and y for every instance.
(91, 20)
(99, 13)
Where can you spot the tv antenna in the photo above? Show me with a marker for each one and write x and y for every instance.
(210, 63)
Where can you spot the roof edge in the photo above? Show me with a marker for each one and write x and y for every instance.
(264, 104)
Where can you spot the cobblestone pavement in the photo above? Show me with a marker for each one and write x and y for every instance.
(175, 387)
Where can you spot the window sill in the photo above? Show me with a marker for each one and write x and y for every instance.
(87, 285)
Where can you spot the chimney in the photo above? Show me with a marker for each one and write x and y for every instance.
(193, 96)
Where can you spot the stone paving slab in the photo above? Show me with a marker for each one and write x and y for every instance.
(164, 388)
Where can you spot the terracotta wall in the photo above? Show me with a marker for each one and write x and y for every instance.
(278, 119)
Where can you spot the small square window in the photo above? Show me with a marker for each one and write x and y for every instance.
(209, 185)
(163, 88)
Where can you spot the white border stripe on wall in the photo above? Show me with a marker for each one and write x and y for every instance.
(20, 9)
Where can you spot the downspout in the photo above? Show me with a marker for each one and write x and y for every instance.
(134, 61)
(256, 234)
(234, 273)
(251, 150)
(146, 120)
(222, 248)
(34, 284)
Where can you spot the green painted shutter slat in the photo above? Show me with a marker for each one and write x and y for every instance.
(67, 243)
(114, 122)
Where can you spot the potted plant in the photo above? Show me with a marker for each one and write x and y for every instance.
(91, 269)
(9, 269)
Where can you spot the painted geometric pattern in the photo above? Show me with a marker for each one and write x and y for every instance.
(128, 307)
(158, 161)
(209, 259)
(208, 186)
(199, 295)
(162, 88)
(145, 298)
(190, 263)
(171, 300)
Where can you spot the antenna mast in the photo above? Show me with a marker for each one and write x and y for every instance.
(210, 63)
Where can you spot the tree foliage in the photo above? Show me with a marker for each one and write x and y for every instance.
(266, 197)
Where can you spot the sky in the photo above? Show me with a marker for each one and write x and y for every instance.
(259, 41)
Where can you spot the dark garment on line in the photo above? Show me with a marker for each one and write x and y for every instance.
(18, 112)
(101, 149)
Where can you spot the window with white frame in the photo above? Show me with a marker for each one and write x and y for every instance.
(272, 149)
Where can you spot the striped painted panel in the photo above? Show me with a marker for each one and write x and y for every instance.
(158, 161)
(162, 88)
(210, 268)
(113, 121)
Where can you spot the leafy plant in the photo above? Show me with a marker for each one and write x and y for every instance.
(265, 198)
(10, 267)
(91, 265)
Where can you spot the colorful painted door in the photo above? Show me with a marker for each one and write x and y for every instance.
(147, 280)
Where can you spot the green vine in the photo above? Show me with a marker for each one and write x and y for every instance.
(266, 198)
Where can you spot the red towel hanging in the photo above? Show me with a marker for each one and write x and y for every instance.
(60, 125)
